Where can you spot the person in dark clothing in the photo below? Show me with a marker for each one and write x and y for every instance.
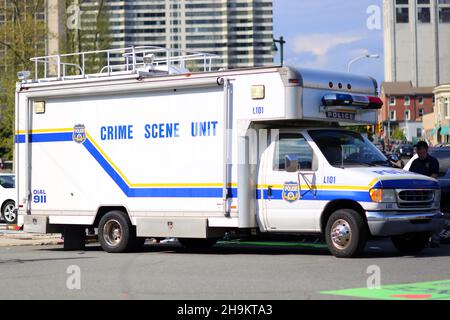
(425, 164)
(428, 166)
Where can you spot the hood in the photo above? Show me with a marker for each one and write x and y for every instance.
(391, 178)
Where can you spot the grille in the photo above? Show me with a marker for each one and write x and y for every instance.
(415, 198)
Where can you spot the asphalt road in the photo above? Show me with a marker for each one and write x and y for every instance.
(227, 271)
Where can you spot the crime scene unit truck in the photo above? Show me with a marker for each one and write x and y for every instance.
(143, 148)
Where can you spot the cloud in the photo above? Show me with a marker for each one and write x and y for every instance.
(320, 44)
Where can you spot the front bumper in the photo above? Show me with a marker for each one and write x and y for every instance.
(383, 223)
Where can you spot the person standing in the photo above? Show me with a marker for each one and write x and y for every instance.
(428, 166)
(425, 164)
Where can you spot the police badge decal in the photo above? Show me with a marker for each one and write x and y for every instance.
(291, 192)
(79, 133)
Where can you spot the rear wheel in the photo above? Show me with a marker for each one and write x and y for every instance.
(346, 233)
(116, 233)
(8, 213)
(412, 243)
(197, 244)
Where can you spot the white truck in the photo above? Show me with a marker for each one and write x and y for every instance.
(145, 148)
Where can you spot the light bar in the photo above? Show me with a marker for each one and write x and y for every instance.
(341, 99)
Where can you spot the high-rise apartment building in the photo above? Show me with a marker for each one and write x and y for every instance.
(417, 46)
(240, 32)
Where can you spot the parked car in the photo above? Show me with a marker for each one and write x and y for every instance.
(7, 194)
(405, 150)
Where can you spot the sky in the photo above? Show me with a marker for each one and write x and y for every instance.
(327, 34)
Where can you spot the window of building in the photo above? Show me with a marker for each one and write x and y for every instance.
(421, 100)
(419, 132)
(421, 112)
(407, 115)
(393, 115)
(402, 15)
(392, 101)
(407, 100)
(444, 15)
(423, 15)
(447, 108)
(423, 1)
(401, 2)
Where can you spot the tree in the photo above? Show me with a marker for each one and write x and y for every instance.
(88, 34)
(398, 134)
(22, 36)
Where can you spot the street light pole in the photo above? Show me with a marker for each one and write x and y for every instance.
(282, 42)
(366, 56)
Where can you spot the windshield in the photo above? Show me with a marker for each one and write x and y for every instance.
(7, 181)
(347, 148)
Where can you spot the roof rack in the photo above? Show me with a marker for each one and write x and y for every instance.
(146, 61)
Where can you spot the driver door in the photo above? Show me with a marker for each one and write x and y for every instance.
(288, 199)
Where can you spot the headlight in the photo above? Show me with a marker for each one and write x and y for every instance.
(383, 195)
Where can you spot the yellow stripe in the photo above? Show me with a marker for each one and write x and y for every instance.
(141, 185)
(108, 159)
(150, 185)
(318, 187)
(46, 130)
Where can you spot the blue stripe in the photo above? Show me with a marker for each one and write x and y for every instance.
(45, 137)
(407, 184)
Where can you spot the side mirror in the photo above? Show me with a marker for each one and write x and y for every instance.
(291, 164)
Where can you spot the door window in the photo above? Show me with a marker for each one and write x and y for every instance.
(293, 145)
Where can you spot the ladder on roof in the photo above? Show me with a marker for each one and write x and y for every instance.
(142, 60)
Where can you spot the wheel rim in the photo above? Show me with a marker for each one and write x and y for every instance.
(341, 234)
(8, 213)
(112, 233)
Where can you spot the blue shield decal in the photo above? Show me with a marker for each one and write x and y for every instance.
(79, 133)
(291, 191)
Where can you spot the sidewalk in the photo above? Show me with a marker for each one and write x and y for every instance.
(13, 238)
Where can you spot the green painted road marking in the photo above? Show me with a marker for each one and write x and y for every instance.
(436, 290)
(277, 244)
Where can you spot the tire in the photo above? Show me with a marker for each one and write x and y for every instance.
(74, 238)
(412, 243)
(197, 244)
(8, 214)
(346, 233)
(116, 234)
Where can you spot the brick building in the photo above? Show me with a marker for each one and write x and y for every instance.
(404, 107)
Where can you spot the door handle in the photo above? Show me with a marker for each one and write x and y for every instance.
(269, 192)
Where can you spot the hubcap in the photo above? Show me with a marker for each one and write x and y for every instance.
(341, 234)
(112, 233)
(8, 213)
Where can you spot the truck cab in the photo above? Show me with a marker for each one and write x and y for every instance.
(336, 183)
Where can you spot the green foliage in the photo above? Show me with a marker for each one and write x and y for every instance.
(21, 37)
(398, 134)
(90, 35)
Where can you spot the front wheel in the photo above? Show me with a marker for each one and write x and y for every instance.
(8, 213)
(412, 243)
(346, 233)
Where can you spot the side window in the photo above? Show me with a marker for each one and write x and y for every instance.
(295, 145)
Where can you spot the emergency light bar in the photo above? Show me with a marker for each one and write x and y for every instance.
(342, 99)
